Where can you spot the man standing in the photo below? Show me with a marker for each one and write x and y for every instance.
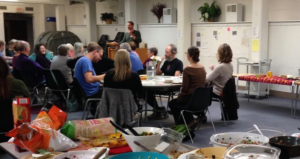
(132, 35)
(27, 67)
(85, 73)
(172, 65)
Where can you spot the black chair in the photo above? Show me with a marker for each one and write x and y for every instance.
(118, 38)
(16, 73)
(87, 100)
(34, 89)
(200, 101)
(6, 115)
(102, 40)
(59, 84)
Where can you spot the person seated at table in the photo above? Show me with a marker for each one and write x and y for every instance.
(222, 72)
(40, 51)
(59, 62)
(133, 47)
(2, 46)
(103, 65)
(172, 66)
(71, 50)
(11, 48)
(85, 73)
(48, 55)
(10, 87)
(26, 66)
(122, 77)
(151, 52)
(193, 77)
(135, 61)
(78, 50)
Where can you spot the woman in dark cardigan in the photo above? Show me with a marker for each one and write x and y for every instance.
(40, 51)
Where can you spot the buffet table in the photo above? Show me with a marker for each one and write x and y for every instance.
(274, 80)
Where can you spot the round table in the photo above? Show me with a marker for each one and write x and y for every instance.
(158, 84)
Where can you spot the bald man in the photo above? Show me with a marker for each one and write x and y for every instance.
(28, 67)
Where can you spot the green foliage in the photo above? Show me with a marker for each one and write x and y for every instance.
(105, 16)
(209, 12)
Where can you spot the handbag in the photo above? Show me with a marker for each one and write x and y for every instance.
(71, 104)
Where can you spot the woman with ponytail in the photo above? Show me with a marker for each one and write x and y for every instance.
(193, 76)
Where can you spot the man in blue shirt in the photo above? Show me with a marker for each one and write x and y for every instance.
(136, 63)
(85, 73)
(2, 43)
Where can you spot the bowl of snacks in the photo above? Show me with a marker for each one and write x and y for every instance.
(289, 146)
(143, 77)
(234, 138)
(149, 137)
(110, 140)
(140, 155)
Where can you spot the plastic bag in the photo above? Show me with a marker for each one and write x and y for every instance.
(88, 128)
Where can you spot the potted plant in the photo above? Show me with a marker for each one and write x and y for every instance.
(209, 13)
(108, 17)
(157, 10)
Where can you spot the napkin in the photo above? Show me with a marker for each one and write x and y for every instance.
(119, 150)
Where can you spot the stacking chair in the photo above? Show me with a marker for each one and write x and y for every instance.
(118, 38)
(87, 100)
(6, 115)
(102, 40)
(230, 85)
(56, 82)
(200, 101)
(34, 89)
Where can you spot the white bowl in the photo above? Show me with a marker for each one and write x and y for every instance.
(267, 131)
(99, 149)
(236, 138)
(147, 141)
(296, 135)
(78, 155)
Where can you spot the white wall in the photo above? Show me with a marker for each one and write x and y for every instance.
(80, 31)
(144, 7)
(109, 7)
(49, 11)
(75, 14)
(247, 7)
(284, 10)
(159, 36)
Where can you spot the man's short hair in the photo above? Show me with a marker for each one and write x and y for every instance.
(2, 43)
(93, 46)
(173, 48)
(126, 46)
(12, 41)
(63, 50)
(154, 50)
(132, 45)
(22, 45)
(131, 22)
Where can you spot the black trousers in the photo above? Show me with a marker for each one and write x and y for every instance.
(178, 104)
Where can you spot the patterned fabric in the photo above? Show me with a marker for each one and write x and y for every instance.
(273, 80)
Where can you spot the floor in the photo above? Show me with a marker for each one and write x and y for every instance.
(272, 112)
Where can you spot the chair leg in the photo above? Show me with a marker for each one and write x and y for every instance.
(68, 95)
(187, 128)
(167, 114)
(223, 115)
(84, 110)
(212, 123)
(46, 96)
(160, 100)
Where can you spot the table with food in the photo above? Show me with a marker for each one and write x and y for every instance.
(51, 136)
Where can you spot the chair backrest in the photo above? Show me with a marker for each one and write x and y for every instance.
(119, 36)
(201, 99)
(77, 87)
(6, 115)
(102, 40)
(27, 80)
(16, 73)
(230, 85)
(60, 82)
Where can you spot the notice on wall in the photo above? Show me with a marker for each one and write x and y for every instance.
(198, 39)
(255, 31)
(215, 34)
(255, 45)
(245, 42)
(234, 35)
(179, 36)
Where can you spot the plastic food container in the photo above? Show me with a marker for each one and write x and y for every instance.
(267, 131)
(234, 138)
(110, 141)
(289, 146)
(243, 151)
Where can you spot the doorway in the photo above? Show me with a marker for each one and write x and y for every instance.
(19, 26)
